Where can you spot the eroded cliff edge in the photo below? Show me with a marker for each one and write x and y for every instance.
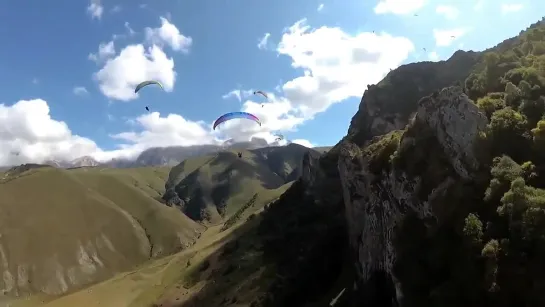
(426, 183)
(410, 172)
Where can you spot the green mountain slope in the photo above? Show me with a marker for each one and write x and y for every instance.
(485, 248)
(63, 229)
(213, 187)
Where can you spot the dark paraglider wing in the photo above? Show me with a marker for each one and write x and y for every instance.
(233, 115)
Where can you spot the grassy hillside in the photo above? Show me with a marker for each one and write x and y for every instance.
(175, 279)
(213, 187)
(63, 229)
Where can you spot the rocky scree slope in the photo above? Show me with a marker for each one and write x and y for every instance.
(438, 183)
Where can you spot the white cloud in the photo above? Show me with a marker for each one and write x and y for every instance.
(511, 8)
(129, 29)
(233, 93)
(105, 51)
(35, 81)
(29, 134)
(263, 41)
(449, 11)
(444, 38)
(238, 94)
(333, 62)
(399, 7)
(320, 7)
(95, 9)
(157, 131)
(169, 34)
(134, 64)
(336, 65)
(479, 5)
(116, 9)
(303, 142)
(130, 32)
(80, 91)
(433, 56)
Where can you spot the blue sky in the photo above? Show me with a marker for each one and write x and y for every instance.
(62, 98)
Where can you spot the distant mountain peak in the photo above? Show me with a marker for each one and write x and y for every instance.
(84, 161)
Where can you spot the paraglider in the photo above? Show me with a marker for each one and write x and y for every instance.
(279, 137)
(262, 93)
(146, 83)
(233, 115)
(240, 155)
(147, 109)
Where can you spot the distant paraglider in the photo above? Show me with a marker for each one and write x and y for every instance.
(279, 137)
(146, 83)
(147, 109)
(262, 93)
(233, 115)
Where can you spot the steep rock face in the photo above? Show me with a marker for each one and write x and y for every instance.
(389, 104)
(376, 204)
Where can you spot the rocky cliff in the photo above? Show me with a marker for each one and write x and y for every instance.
(424, 202)
(376, 203)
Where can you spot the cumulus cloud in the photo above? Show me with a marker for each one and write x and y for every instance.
(320, 7)
(168, 34)
(234, 93)
(129, 32)
(238, 94)
(105, 51)
(445, 37)
(479, 4)
(95, 9)
(263, 41)
(157, 131)
(507, 8)
(128, 28)
(303, 142)
(336, 65)
(399, 7)
(120, 75)
(80, 91)
(448, 11)
(29, 134)
(433, 56)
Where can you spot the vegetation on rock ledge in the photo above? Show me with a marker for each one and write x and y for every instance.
(489, 245)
